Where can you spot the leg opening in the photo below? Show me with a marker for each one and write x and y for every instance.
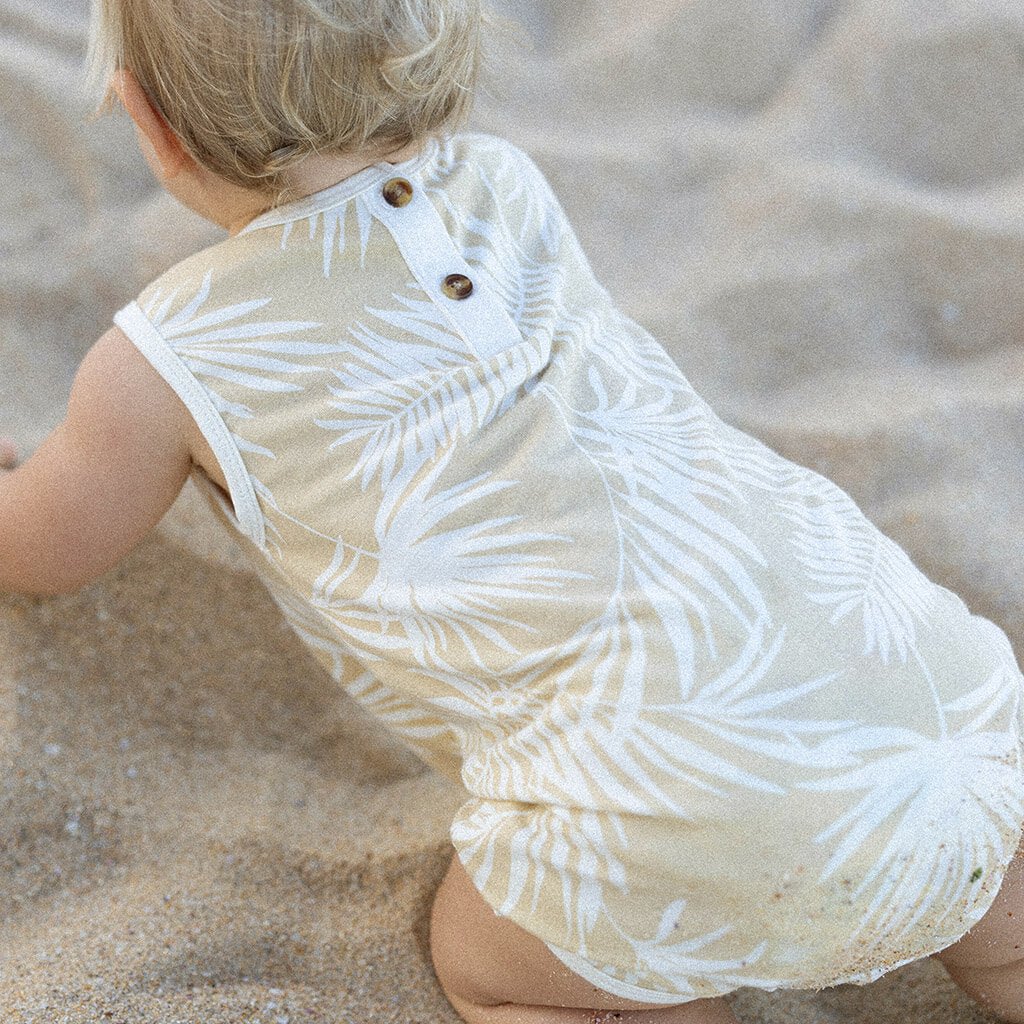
(988, 962)
(494, 972)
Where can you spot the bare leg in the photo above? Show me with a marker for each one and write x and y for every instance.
(493, 972)
(988, 962)
(701, 1011)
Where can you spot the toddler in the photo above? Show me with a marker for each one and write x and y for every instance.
(714, 729)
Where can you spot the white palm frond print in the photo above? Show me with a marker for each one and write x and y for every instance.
(755, 465)
(618, 343)
(946, 802)
(433, 586)
(856, 570)
(421, 730)
(420, 335)
(649, 757)
(683, 552)
(514, 182)
(312, 629)
(692, 554)
(405, 403)
(530, 290)
(227, 344)
(530, 284)
(574, 845)
(332, 221)
(676, 958)
(744, 705)
(551, 744)
(644, 436)
(412, 720)
(227, 349)
(589, 751)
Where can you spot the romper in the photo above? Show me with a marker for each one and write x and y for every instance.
(714, 728)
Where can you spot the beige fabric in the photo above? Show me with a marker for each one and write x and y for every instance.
(716, 730)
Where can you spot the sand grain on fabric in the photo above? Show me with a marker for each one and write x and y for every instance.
(817, 206)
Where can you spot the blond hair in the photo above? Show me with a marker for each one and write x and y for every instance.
(251, 87)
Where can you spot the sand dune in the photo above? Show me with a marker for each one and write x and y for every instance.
(817, 206)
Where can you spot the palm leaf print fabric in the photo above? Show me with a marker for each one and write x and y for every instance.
(715, 730)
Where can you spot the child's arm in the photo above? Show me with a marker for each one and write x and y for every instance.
(100, 481)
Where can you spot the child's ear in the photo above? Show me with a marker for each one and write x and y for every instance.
(171, 156)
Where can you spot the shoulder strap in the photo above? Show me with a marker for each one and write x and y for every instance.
(147, 339)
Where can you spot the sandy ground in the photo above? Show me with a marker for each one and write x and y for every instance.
(818, 207)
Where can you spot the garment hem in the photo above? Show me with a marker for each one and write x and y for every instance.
(588, 972)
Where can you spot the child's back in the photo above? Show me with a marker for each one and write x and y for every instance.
(716, 729)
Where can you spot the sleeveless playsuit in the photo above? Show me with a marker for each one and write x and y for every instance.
(715, 730)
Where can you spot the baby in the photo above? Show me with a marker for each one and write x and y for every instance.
(715, 730)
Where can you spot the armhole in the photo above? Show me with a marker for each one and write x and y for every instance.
(246, 515)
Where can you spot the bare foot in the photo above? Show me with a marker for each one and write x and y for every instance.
(8, 453)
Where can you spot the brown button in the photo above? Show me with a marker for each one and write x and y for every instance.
(397, 192)
(457, 286)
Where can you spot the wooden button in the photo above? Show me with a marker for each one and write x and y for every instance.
(397, 192)
(457, 286)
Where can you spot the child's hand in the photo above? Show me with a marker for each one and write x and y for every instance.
(8, 454)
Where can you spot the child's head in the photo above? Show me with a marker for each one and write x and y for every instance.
(250, 87)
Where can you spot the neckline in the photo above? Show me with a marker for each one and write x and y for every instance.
(342, 192)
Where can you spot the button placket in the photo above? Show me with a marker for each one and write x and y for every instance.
(473, 311)
(398, 193)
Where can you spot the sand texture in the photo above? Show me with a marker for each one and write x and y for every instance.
(816, 205)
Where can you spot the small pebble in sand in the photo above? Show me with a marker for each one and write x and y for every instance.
(8, 453)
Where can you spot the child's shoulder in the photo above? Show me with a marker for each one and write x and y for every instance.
(499, 182)
(206, 289)
(491, 153)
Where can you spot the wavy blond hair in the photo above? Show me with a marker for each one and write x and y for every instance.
(251, 87)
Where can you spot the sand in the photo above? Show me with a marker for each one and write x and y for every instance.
(816, 205)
